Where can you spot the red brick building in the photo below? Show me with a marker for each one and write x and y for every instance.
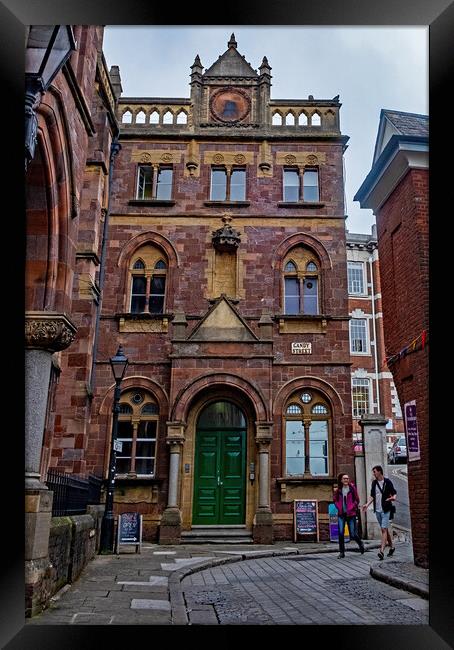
(396, 189)
(373, 388)
(225, 280)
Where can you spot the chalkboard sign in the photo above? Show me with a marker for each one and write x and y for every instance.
(129, 530)
(305, 515)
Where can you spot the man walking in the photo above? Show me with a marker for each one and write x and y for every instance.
(382, 493)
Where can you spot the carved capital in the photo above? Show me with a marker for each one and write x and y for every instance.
(175, 433)
(48, 331)
(264, 433)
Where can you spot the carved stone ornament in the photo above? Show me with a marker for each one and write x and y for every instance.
(312, 160)
(290, 160)
(226, 239)
(240, 159)
(230, 105)
(218, 158)
(167, 157)
(48, 331)
(145, 158)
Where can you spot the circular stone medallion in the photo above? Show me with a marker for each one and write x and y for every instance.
(230, 105)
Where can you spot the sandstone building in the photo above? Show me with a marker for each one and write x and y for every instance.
(225, 280)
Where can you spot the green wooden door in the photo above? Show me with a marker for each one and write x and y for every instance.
(219, 476)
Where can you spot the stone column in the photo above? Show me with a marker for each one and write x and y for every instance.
(374, 442)
(170, 528)
(263, 520)
(45, 333)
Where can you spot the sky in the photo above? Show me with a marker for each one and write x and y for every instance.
(370, 68)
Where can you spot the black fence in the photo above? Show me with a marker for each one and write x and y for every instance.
(72, 493)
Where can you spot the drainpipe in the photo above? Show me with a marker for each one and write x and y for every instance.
(375, 333)
(114, 150)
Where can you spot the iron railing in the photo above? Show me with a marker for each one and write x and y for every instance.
(72, 493)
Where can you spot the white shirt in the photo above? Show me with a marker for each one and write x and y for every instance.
(378, 495)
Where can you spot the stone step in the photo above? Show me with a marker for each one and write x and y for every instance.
(217, 535)
(217, 540)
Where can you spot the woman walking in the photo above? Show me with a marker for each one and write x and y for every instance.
(346, 500)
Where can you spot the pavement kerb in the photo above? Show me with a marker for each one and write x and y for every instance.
(179, 614)
(400, 583)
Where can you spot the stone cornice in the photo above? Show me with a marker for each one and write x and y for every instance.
(47, 330)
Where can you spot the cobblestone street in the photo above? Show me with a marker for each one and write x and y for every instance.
(311, 589)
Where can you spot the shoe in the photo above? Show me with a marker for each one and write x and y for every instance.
(362, 549)
(381, 555)
(340, 556)
(391, 551)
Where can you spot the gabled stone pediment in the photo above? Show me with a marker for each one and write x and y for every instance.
(222, 323)
(231, 64)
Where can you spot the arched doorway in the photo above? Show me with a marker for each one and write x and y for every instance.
(220, 465)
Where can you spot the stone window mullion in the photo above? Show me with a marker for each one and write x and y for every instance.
(135, 427)
(307, 424)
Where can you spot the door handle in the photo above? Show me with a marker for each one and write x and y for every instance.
(219, 481)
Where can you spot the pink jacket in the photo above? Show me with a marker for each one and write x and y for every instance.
(352, 500)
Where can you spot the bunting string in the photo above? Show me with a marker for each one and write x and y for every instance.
(419, 343)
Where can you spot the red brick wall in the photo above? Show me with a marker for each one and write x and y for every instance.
(402, 226)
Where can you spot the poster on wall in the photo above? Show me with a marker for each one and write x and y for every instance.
(411, 426)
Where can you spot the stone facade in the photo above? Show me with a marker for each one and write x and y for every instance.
(223, 332)
(396, 189)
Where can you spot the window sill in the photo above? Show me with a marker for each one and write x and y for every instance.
(301, 324)
(228, 204)
(143, 322)
(300, 204)
(124, 478)
(152, 202)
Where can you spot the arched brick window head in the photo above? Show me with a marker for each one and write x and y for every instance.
(301, 283)
(147, 281)
(137, 431)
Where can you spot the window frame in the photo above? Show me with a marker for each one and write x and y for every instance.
(366, 351)
(135, 418)
(302, 186)
(228, 171)
(306, 417)
(155, 172)
(351, 263)
(302, 276)
(150, 256)
(367, 384)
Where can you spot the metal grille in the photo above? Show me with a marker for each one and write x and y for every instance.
(72, 493)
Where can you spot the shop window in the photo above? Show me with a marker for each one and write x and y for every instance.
(137, 431)
(307, 434)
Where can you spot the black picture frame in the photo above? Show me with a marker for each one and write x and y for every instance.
(14, 15)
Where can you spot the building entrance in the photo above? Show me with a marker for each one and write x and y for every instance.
(220, 466)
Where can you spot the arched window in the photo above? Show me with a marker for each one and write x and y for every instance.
(126, 118)
(168, 117)
(302, 119)
(148, 279)
(277, 119)
(307, 434)
(315, 120)
(137, 431)
(182, 118)
(140, 117)
(301, 283)
(290, 119)
(154, 117)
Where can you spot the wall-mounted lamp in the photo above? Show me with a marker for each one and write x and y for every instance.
(48, 48)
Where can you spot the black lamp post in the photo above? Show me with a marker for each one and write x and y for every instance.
(48, 49)
(119, 363)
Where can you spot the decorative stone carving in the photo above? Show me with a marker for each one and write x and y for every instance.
(290, 159)
(48, 331)
(167, 157)
(240, 159)
(230, 105)
(226, 239)
(145, 158)
(312, 160)
(218, 158)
